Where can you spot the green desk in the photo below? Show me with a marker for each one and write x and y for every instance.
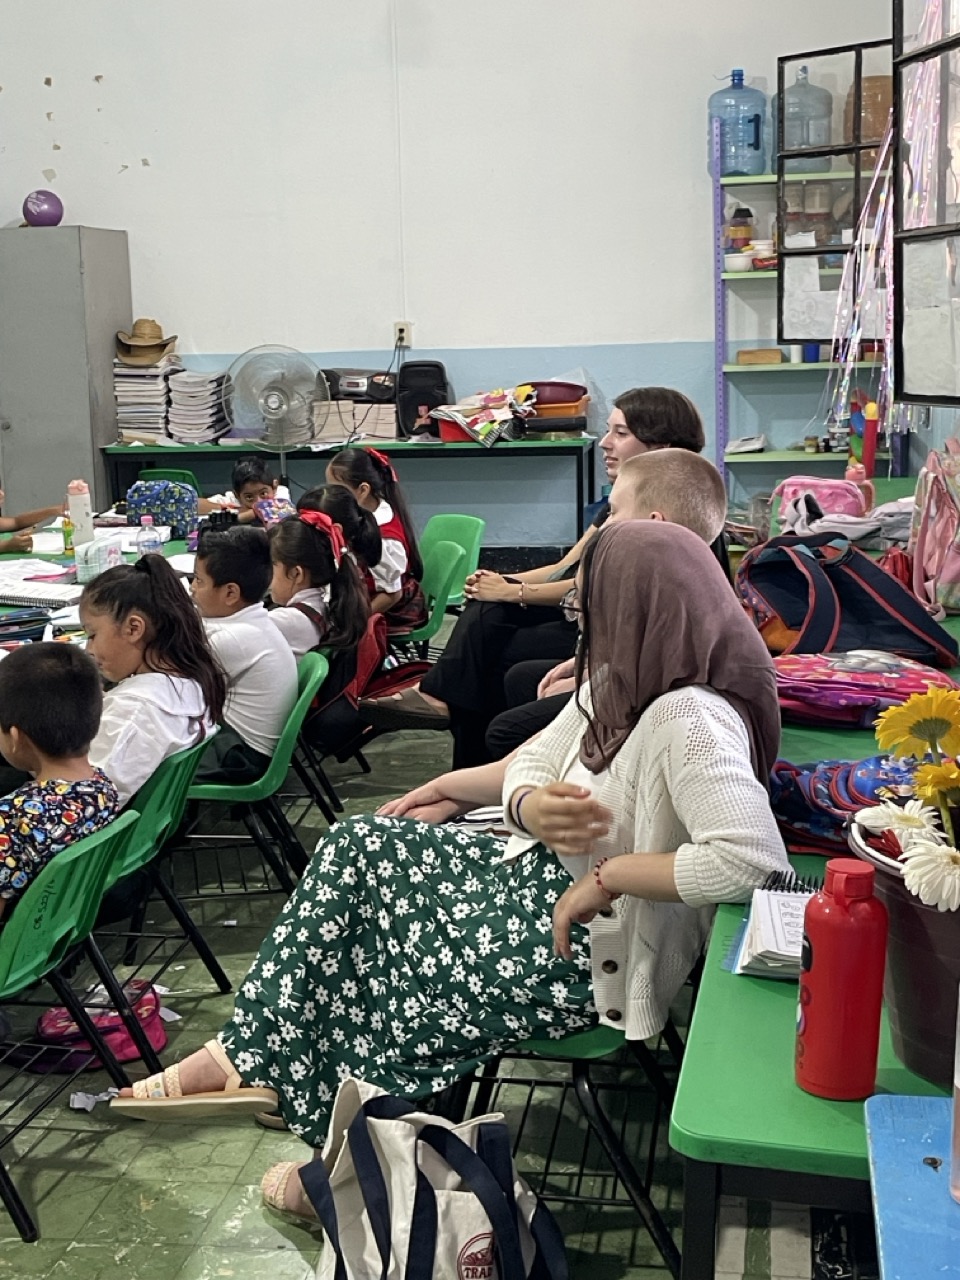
(124, 461)
(741, 1123)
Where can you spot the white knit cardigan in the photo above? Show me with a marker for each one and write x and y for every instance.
(681, 783)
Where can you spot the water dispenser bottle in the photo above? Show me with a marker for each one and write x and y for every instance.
(807, 122)
(741, 112)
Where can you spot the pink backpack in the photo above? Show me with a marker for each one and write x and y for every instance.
(834, 497)
(56, 1027)
(935, 534)
(849, 688)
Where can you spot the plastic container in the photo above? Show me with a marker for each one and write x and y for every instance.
(807, 122)
(575, 409)
(841, 985)
(738, 262)
(557, 392)
(81, 512)
(739, 231)
(148, 540)
(742, 113)
(955, 1144)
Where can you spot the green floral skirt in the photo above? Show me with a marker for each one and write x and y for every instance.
(407, 956)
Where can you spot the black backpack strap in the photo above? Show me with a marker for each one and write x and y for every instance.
(893, 597)
(818, 631)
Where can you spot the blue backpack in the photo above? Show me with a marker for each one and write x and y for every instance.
(813, 803)
(170, 502)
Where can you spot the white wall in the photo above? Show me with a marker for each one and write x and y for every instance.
(504, 173)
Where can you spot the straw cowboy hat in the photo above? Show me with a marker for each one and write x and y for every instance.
(145, 344)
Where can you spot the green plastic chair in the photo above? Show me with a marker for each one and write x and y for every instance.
(442, 564)
(180, 474)
(263, 816)
(466, 532)
(54, 915)
(161, 802)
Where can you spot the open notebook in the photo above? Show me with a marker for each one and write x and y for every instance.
(772, 941)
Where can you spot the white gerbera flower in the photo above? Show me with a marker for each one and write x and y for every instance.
(932, 872)
(910, 822)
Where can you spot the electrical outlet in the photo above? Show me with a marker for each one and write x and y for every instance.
(402, 333)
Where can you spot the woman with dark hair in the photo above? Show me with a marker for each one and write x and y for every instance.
(518, 617)
(410, 954)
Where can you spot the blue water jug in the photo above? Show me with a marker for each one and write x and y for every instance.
(741, 112)
(807, 122)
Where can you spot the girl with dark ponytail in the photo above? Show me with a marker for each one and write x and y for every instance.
(316, 585)
(359, 527)
(394, 582)
(146, 637)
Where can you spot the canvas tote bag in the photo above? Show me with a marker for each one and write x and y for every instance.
(403, 1195)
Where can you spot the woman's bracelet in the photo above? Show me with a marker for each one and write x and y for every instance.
(611, 897)
(516, 809)
(523, 603)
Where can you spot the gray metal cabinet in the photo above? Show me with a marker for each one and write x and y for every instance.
(64, 293)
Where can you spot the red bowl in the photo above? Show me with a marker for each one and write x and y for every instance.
(558, 392)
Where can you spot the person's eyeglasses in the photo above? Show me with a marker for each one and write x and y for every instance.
(570, 604)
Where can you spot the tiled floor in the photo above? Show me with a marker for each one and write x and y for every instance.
(128, 1201)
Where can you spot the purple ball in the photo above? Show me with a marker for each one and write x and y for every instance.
(43, 209)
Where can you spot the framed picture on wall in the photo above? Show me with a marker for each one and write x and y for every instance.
(926, 40)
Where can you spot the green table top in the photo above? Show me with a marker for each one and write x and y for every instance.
(584, 443)
(737, 1102)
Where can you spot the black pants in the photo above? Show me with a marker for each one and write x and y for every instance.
(230, 760)
(526, 714)
(487, 640)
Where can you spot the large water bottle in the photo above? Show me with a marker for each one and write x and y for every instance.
(148, 540)
(741, 112)
(807, 122)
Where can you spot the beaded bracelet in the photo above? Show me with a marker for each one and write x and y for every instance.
(611, 897)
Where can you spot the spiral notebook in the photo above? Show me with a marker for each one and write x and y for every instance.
(42, 595)
(772, 941)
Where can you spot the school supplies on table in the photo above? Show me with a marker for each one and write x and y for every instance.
(772, 941)
(44, 595)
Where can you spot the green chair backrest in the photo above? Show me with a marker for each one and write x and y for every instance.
(466, 532)
(180, 474)
(160, 802)
(311, 673)
(441, 564)
(60, 907)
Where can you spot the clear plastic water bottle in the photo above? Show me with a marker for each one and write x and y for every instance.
(148, 540)
(807, 122)
(741, 112)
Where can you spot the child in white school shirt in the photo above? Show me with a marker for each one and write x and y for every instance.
(231, 577)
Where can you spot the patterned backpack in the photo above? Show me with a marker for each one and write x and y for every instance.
(813, 803)
(935, 533)
(849, 688)
(819, 594)
(170, 502)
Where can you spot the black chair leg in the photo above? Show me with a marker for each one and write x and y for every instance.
(313, 790)
(314, 762)
(362, 761)
(596, 1117)
(17, 1210)
(89, 1032)
(193, 934)
(276, 820)
(485, 1087)
(664, 1088)
(118, 999)
(261, 839)
(673, 1042)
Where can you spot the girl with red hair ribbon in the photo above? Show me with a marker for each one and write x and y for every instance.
(393, 583)
(316, 585)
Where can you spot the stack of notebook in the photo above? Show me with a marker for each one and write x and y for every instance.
(196, 407)
(142, 396)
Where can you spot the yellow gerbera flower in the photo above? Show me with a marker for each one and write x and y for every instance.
(925, 722)
(935, 780)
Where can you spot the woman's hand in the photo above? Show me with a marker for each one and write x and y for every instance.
(426, 804)
(578, 905)
(559, 679)
(19, 542)
(484, 585)
(564, 817)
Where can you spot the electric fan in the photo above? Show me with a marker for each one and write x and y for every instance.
(277, 397)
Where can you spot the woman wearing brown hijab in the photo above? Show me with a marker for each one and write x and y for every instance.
(409, 953)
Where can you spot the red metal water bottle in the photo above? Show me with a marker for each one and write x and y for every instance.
(841, 984)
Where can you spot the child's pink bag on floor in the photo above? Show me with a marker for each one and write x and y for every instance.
(56, 1027)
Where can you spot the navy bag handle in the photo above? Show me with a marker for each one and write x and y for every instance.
(316, 1183)
(495, 1150)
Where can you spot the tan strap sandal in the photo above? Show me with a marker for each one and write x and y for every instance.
(161, 1097)
(273, 1188)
